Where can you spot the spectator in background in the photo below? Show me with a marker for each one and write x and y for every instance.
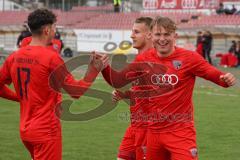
(117, 4)
(25, 33)
(237, 53)
(199, 44)
(232, 49)
(230, 11)
(233, 10)
(220, 9)
(57, 39)
(207, 45)
(57, 35)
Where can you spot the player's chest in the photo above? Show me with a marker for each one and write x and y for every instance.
(167, 72)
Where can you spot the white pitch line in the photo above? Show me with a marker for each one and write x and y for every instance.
(217, 94)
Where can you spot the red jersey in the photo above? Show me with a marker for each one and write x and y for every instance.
(55, 46)
(142, 88)
(167, 86)
(29, 70)
(139, 110)
(174, 110)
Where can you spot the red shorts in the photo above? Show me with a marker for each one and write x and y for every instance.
(133, 145)
(47, 150)
(176, 145)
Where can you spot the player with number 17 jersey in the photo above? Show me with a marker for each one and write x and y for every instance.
(28, 68)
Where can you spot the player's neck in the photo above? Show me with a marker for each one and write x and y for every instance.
(39, 41)
(145, 48)
(165, 54)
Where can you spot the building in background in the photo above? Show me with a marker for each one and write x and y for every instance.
(6, 5)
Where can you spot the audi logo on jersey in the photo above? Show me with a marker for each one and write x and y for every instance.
(164, 79)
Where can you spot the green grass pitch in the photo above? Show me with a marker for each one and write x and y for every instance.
(217, 119)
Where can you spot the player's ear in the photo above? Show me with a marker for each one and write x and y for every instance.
(149, 35)
(46, 30)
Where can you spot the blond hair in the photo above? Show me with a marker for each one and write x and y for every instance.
(146, 20)
(165, 22)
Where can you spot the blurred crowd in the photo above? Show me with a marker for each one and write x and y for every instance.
(225, 10)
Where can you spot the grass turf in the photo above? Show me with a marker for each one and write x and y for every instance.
(216, 118)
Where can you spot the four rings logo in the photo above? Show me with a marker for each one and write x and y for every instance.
(163, 79)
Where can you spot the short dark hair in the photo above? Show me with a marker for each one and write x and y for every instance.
(165, 22)
(146, 20)
(39, 18)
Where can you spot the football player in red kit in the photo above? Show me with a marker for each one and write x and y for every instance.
(30, 69)
(171, 132)
(133, 145)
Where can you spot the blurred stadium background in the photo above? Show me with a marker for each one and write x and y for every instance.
(87, 25)
(90, 24)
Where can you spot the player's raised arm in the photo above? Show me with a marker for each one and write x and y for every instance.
(61, 78)
(202, 68)
(97, 63)
(131, 72)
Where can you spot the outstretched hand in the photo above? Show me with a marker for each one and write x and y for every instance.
(116, 96)
(99, 61)
(229, 79)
